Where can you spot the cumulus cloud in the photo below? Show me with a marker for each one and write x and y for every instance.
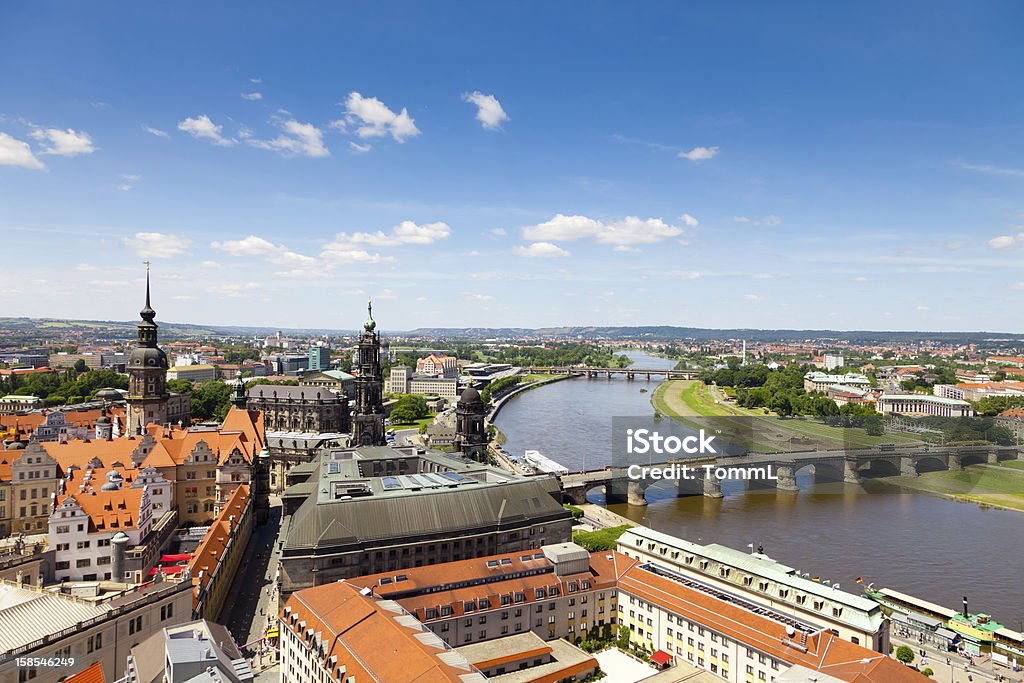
(252, 96)
(627, 231)
(700, 153)
(14, 152)
(67, 143)
(201, 127)
(541, 250)
(689, 220)
(1006, 241)
(498, 232)
(489, 111)
(156, 131)
(156, 244)
(297, 139)
(359, 149)
(371, 118)
(406, 232)
(86, 268)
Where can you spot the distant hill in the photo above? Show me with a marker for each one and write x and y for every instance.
(13, 329)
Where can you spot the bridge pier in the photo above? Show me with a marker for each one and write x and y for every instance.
(786, 473)
(635, 493)
(851, 475)
(953, 463)
(993, 457)
(630, 376)
(907, 466)
(712, 487)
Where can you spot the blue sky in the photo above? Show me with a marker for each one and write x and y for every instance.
(849, 166)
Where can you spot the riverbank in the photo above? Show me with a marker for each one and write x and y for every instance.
(988, 485)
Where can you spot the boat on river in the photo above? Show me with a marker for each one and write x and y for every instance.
(543, 463)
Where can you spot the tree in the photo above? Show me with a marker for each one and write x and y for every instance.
(211, 400)
(905, 654)
(179, 386)
(927, 671)
(409, 408)
(80, 365)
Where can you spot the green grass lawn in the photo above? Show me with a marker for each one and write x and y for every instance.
(987, 485)
(408, 425)
(602, 539)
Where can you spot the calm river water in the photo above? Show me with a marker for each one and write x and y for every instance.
(933, 548)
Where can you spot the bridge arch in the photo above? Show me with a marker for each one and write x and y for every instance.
(878, 467)
(931, 463)
(820, 472)
(972, 459)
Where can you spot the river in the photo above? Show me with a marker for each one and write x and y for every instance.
(936, 549)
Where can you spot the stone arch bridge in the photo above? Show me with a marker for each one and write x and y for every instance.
(843, 465)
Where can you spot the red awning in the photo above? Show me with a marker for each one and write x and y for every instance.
(661, 658)
(176, 569)
(180, 557)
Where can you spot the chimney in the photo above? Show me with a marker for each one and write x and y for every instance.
(965, 607)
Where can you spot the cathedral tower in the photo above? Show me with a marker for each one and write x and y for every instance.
(368, 421)
(147, 374)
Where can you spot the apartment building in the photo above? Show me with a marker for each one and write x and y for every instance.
(196, 651)
(557, 591)
(99, 515)
(216, 560)
(762, 580)
(680, 618)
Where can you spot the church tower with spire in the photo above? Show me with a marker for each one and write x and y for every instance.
(147, 374)
(368, 421)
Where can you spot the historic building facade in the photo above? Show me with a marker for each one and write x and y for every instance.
(309, 410)
(368, 421)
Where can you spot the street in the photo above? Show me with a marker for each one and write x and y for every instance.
(254, 605)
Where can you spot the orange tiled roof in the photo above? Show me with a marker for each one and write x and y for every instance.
(825, 652)
(356, 631)
(603, 574)
(107, 510)
(211, 549)
(94, 674)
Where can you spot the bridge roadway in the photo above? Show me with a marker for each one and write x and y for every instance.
(840, 465)
(630, 372)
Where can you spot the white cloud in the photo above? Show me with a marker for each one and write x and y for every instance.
(156, 244)
(700, 153)
(406, 232)
(209, 264)
(1006, 241)
(498, 232)
(563, 228)
(373, 119)
(689, 220)
(14, 152)
(862, 279)
(359, 149)
(386, 294)
(923, 308)
(1017, 286)
(257, 81)
(66, 143)
(489, 111)
(627, 231)
(303, 139)
(541, 250)
(479, 297)
(184, 297)
(751, 297)
(250, 246)
(85, 268)
(233, 290)
(156, 131)
(252, 96)
(202, 127)
(767, 221)
(623, 248)
(125, 187)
